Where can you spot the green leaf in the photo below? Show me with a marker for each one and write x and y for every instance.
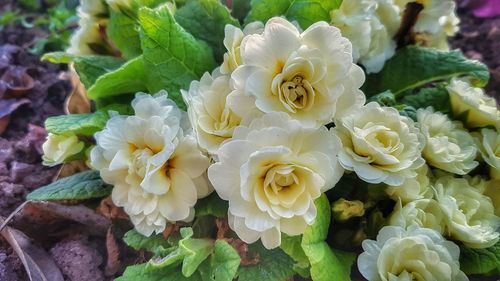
(325, 262)
(140, 242)
(129, 78)
(173, 58)
(212, 206)
(206, 19)
(292, 246)
(192, 252)
(222, 265)
(274, 265)
(480, 261)
(86, 124)
(386, 98)
(414, 66)
(124, 32)
(437, 97)
(81, 186)
(143, 272)
(89, 67)
(305, 12)
(240, 9)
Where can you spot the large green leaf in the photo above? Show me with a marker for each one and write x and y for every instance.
(86, 124)
(273, 265)
(414, 66)
(123, 31)
(222, 265)
(129, 78)
(437, 97)
(81, 186)
(325, 262)
(480, 261)
(305, 12)
(213, 206)
(173, 58)
(140, 242)
(206, 19)
(88, 67)
(144, 272)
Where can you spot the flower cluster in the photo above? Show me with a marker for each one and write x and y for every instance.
(281, 123)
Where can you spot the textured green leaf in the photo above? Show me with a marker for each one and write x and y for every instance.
(274, 265)
(240, 9)
(89, 67)
(305, 12)
(173, 58)
(325, 262)
(292, 246)
(480, 261)
(129, 78)
(143, 272)
(124, 32)
(212, 206)
(416, 66)
(437, 97)
(140, 242)
(78, 124)
(222, 265)
(206, 19)
(81, 186)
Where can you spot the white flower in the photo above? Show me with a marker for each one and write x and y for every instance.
(488, 142)
(413, 254)
(370, 25)
(470, 215)
(271, 172)
(232, 41)
(436, 17)
(58, 148)
(412, 188)
(93, 8)
(492, 190)
(479, 109)
(425, 213)
(209, 112)
(87, 37)
(310, 75)
(380, 145)
(449, 146)
(157, 172)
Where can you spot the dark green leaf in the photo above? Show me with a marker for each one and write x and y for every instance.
(437, 97)
(274, 265)
(222, 265)
(306, 12)
(480, 261)
(173, 58)
(212, 206)
(86, 124)
(206, 19)
(81, 186)
(143, 272)
(129, 78)
(413, 66)
(140, 242)
(89, 67)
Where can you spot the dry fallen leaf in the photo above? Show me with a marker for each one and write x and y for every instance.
(77, 101)
(113, 263)
(38, 263)
(7, 106)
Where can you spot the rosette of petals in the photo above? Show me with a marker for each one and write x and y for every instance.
(380, 145)
(157, 171)
(271, 172)
(310, 75)
(413, 254)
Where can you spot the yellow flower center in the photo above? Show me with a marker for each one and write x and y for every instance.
(296, 94)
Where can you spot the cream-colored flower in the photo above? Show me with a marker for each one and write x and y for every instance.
(478, 109)
(412, 188)
(370, 25)
(232, 41)
(436, 17)
(449, 146)
(425, 213)
(310, 75)
(413, 254)
(271, 172)
(88, 38)
(380, 145)
(470, 215)
(208, 107)
(488, 142)
(493, 191)
(58, 148)
(157, 171)
(93, 8)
